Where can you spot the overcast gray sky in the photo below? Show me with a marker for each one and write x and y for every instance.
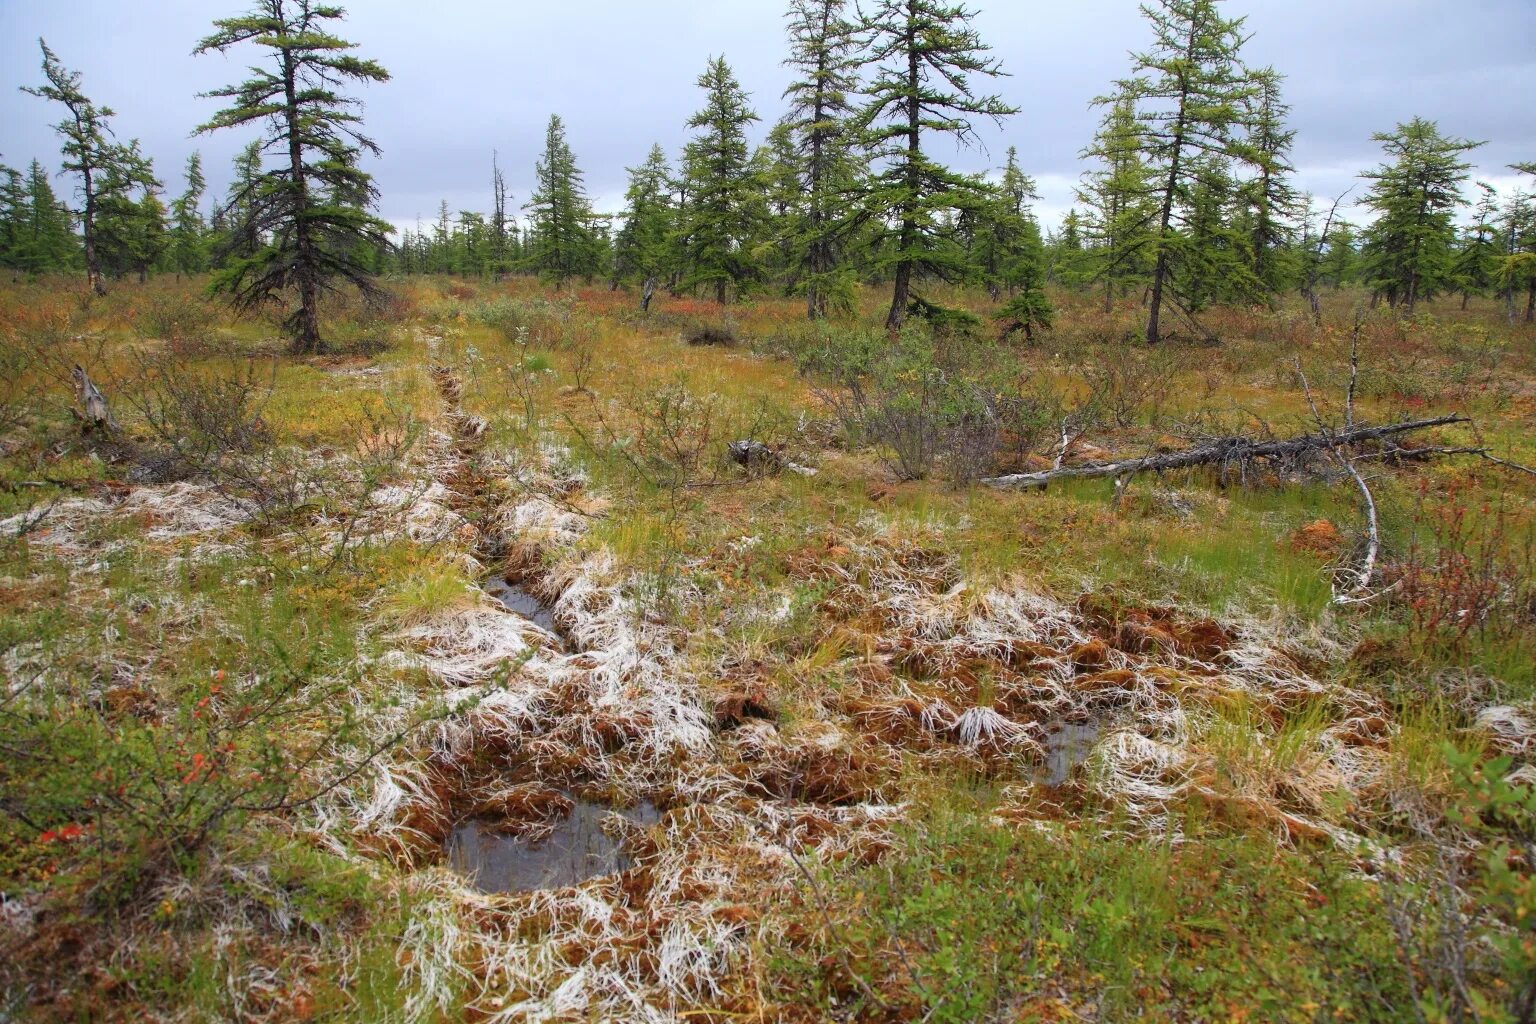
(470, 76)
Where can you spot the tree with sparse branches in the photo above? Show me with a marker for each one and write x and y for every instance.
(88, 149)
(308, 214)
(1190, 94)
(824, 55)
(924, 55)
(1409, 250)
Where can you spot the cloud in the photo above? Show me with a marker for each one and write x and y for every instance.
(473, 76)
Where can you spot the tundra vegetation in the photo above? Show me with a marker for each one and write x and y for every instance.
(943, 617)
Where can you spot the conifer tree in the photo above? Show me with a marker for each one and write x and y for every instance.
(501, 238)
(1005, 237)
(642, 248)
(561, 240)
(49, 242)
(88, 148)
(13, 215)
(1269, 199)
(1477, 256)
(1191, 93)
(1517, 269)
(824, 56)
(1065, 256)
(924, 53)
(720, 219)
(308, 216)
(189, 253)
(1409, 249)
(1121, 211)
(130, 219)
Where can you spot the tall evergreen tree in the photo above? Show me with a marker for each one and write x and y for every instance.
(88, 148)
(1006, 238)
(561, 241)
(721, 220)
(13, 216)
(1118, 197)
(642, 248)
(824, 56)
(1517, 269)
(924, 53)
(49, 242)
(1477, 256)
(1409, 249)
(309, 215)
(189, 254)
(1191, 93)
(131, 231)
(1269, 200)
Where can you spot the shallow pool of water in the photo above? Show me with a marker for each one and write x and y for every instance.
(1067, 745)
(576, 850)
(517, 599)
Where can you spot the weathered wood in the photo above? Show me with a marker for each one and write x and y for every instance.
(754, 455)
(1224, 451)
(97, 413)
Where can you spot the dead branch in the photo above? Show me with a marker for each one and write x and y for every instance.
(1226, 452)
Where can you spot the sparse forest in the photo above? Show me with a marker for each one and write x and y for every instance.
(822, 587)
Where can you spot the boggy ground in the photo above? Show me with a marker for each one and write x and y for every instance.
(916, 750)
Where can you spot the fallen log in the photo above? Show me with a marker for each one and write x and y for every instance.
(1226, 451)
(754, 456)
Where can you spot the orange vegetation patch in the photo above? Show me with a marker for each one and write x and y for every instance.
(1319, 538)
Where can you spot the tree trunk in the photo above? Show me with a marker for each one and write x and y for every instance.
(1530, 303)
(901, 293)
(306, 334)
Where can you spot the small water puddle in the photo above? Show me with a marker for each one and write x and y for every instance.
(1067, 745)
(577, 849)
(518, 600)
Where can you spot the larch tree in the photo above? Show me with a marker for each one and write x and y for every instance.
(88, 149)
(1269, 201)
(1190, 92)
(1118, 198)
(189, 252)
(130, 219)
(561, 241)
(1409, 250)
(308, 215)
(643, 246)
(1477, 255)
(721, 218)
(500, 223)
(824, 50)
(1517, 265)
(924, 54)
(1003, 229)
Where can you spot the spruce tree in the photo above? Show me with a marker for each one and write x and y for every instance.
(824, 56)
(308, 216)
(720, 219)
(188, 232)
(1517, 266)
(561, 240)
(88, 148)
(1409, 249)
(1191, 93)
(1121, 212)
(642, 248)
(924, 53)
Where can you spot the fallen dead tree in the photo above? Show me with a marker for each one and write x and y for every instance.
(1239, 453)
